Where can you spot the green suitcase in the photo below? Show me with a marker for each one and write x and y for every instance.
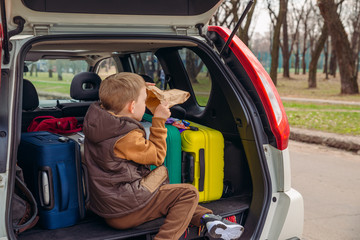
(173, 152)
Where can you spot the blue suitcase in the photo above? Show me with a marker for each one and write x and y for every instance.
(52, 170)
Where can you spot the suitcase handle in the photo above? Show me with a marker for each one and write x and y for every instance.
(46, 188)
(85, 182)
(187, 167)
(202, 169)
(64, 186)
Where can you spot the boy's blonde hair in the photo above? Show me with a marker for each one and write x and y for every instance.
(119, 89)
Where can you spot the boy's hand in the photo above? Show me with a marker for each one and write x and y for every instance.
(162, 111)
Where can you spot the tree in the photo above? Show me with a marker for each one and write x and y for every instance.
(297, 56)
(305, 21)
(354, 22)
(333, 63)
(341, 44)
(277, 21)
(315, 56)
(59, 68)
(244, 31)
(286, 49)
(326, 58)
(33, 69)
(50, 70)
(193, 65)
(228, 15)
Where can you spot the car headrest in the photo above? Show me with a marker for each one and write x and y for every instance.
(147, 78)
(85, 86)
(30, 96)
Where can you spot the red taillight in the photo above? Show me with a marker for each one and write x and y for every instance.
(268, 94)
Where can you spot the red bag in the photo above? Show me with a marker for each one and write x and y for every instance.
(55, 125)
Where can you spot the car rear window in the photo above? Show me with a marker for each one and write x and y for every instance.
(136, 7)
(52, 78)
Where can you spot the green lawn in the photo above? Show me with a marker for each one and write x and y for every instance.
(341, 119)
(43, 83)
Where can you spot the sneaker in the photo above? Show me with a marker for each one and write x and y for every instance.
(219, 227)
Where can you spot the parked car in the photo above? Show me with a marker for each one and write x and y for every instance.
(231, 93)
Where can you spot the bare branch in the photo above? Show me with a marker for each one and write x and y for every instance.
(273, 16)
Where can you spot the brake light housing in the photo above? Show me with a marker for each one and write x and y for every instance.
(263, 84)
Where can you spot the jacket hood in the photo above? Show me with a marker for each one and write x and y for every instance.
(100, 125)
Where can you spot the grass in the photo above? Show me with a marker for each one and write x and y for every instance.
(341, 119)
(43, 83)
(202, 88)
(318, 106)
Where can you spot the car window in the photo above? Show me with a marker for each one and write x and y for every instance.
(198, 74)
(106, 68)
(147, 64)
(52, 78)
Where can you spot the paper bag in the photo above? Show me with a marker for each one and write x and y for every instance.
(155, 96)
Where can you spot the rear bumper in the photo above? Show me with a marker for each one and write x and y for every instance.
(285, 219)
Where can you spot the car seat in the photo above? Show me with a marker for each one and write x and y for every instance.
(30, 106)
(85, 88)
(147, 78)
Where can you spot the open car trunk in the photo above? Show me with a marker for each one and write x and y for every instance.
(228, 109)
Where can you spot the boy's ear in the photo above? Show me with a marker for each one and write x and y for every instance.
(132, 107)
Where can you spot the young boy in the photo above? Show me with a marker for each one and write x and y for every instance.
(122, 188)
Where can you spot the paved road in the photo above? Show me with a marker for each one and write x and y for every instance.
(329, 181)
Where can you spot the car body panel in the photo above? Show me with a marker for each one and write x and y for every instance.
(285, 218)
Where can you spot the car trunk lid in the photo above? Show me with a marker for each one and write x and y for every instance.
(110, 16)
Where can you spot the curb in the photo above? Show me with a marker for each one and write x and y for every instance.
(344, 142)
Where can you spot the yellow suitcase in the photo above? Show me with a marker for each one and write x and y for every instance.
(203, 161)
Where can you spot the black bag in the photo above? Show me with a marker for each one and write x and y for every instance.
(23, 206)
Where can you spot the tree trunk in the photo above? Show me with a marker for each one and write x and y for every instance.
(297, 61)
(357, 60)
(32, 69)
(276, 41)
(333, 63)
(304, 48)
(341, 44)
(326, 55)
(59, 67)
(285, 49)
(297, 56)
(60, 78)
(193, 65)
(315, 57)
